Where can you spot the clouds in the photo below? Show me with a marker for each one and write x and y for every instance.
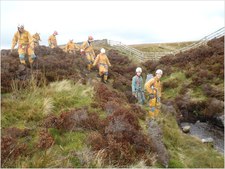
(129, 22)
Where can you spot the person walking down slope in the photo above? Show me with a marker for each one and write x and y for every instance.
(153, 87)
(89, 52)
(103, 63)
(52, 42)
(137, 86)
(71, 47)
(36, 39)
(25, 44)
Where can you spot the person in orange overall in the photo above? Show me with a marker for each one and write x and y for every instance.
(71, 47)
(25, 44)
(52, 40)
(36, 39)
(153, 87)
(87, 48)
(103, 63)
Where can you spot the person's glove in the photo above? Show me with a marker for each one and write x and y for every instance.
(151, 96)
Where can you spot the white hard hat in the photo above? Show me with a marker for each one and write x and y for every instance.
(138, 70)
(159, 71)
(20, 26)
(102, 50)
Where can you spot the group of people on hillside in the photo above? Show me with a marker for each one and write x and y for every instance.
(26, 44)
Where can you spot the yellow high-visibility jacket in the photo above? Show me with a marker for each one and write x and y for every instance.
(52, 40)
(36, 37)
(71, 46)
(153, 86)
(88, 48)
(101, 59)
(23, 39)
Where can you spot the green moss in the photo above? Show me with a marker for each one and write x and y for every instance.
(171, 93)
(178, 75)
(176, 164)
(75, 162)
(197, 94)
(180, 78)
(73, 141)
(68, 96)
(17, 111)
(69, 141)
(56, 134)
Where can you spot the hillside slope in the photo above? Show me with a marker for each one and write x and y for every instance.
(59, 115)
(161, 47)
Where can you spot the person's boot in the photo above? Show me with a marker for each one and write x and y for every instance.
(105, 78)
(151, 114)
(89, 67)
(99, 76)
(30, 62)
(23, 62)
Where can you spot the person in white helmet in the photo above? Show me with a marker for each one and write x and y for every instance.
(103, 63)
(25, 44)
(153, 87)
(137, 86)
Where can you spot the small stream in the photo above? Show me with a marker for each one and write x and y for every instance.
(204, 130)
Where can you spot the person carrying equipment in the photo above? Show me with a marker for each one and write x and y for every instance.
(103, 63)
(89, 52)
(25, 44)
(137, 86)
(153, 87)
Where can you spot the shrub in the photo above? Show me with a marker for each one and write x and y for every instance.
(11, 149)
(122, 140)
(45, 140)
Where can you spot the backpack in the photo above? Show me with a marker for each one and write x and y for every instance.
(149, 77)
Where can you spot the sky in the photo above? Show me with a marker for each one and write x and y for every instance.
(130, 22)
